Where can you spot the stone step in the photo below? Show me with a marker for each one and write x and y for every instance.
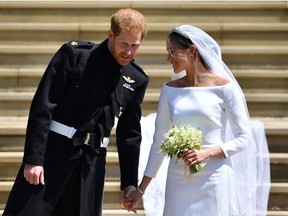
(111, 195)
(278, 167)
(227, 33)
(272, 80)
(264, 55)
(12, 161)
(122, 212)
(12, 133)
(26, 79)
(277, 199)
(109, 212)
(277, 213)
(259, 104)
(279, 158)
(276, 134)
(95, 11)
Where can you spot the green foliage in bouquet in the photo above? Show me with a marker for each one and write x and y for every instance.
(181, 139)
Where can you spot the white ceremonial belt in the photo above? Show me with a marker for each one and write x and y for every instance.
(62, 129)
(69, 132)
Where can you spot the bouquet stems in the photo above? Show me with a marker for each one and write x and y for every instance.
(196, 168)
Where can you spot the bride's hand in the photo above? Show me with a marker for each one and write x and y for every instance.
(192, 157)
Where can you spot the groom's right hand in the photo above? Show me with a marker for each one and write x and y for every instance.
(34, 174)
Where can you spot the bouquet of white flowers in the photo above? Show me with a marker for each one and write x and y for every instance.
(181, 139)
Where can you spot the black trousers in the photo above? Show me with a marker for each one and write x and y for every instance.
(83, 193)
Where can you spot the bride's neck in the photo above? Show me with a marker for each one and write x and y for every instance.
(197, 75)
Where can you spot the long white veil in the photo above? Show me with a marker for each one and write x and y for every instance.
(249, 165)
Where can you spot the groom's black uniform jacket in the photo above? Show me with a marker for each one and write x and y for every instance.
(85, 88)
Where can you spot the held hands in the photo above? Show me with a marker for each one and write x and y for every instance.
(130, 197)
(34, 174)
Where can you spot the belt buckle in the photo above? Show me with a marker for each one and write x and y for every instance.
(87, 140)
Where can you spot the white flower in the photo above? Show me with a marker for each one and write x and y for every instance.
(181, 139)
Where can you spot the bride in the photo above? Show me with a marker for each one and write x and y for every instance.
(207, 97)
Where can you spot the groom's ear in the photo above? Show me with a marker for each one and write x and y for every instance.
(110, 35)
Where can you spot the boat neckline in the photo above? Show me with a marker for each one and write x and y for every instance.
(197, 87)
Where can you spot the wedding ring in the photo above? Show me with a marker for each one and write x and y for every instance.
(190, 159)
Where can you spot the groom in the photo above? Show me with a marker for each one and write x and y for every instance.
(83, 89)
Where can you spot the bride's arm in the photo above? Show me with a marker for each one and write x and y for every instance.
(239, 121)
(155, 159)
(162, 125)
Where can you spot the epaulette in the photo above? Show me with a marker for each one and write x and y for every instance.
(81, 44)
(134, 64)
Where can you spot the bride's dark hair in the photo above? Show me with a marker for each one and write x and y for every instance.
(179, 40)
(183, 43)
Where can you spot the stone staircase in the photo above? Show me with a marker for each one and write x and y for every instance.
(252, 34)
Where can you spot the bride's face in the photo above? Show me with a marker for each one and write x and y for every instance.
(180, 59)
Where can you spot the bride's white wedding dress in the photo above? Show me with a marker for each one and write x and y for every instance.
(214, 191)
